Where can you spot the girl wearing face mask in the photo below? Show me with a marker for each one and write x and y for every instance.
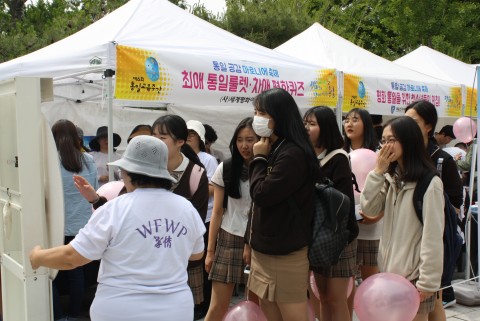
(224, 259)
(407, 247)
(282, 177)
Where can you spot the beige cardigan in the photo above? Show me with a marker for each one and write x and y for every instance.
(406, 247)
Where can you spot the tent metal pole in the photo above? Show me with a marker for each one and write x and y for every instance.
(90, 71)
(468, 227)
(340, 93)
(473, 172)
(108, 75)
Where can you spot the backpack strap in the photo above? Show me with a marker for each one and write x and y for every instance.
(419, 193)
(195, 176)
(333, 153)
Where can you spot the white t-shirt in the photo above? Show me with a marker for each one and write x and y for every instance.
(369, 232)
(144, 239)
(101, 160)
(211, 165)
(235, 217)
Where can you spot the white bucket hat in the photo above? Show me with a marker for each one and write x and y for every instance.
(197, 126)
(145, 155)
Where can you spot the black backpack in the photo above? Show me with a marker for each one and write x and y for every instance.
(452, 241)
(330, 231)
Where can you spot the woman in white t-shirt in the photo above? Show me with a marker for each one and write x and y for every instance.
(359, 133)
(224, 260)
(144, 239)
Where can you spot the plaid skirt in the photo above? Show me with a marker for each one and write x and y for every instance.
(367, 252)
(195, 282)
(428, 305)
(346, 266)
(227, 267)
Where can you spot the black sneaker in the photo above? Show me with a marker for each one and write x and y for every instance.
(199, 313)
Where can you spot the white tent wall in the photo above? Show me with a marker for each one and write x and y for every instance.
(90, 115)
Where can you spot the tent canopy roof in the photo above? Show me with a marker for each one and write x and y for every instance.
(319, 45)
(439, 65)
(151, 24)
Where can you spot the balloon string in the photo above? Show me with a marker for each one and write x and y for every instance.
(465, 281)
(246, 284)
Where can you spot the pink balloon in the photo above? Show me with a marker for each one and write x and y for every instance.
(386, 297)
(464, 129)
(313, 285)
(245, 311)
(363, 161)
(110, 190)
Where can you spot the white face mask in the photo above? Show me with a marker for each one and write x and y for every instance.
(260, 126)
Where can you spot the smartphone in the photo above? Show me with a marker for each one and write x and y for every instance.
(357, 213)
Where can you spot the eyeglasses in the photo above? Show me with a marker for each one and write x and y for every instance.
(352, 120)
(390, 140)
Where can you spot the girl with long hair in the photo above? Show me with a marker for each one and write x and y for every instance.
(77, 210)
(332, 281)
(360, 133)
(407, 247)
(425, 115)
(282, 178)
(224, 259)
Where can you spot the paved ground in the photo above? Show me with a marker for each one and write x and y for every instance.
(457, 312)
(454, 313)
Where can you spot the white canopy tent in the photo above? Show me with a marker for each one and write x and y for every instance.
(436, 64)
(77, 65)
(320, 46)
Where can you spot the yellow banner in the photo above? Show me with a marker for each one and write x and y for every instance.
(141, 75)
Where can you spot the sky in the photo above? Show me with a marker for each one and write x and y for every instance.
(216, 6)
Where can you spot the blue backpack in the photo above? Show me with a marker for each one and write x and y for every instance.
(452, 241)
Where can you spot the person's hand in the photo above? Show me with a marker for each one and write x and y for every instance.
(209, 261)
(458, 156)
(425, 295)
(84, 187)
(384, 158)
(103, 179)
(369, 219)
(34, 257)
(262, 147)
(247, 254)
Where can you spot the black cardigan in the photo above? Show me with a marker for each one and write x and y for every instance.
(284, 175)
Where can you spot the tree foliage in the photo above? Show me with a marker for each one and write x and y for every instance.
(393, 28)
(388, 28)
(267, 22)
